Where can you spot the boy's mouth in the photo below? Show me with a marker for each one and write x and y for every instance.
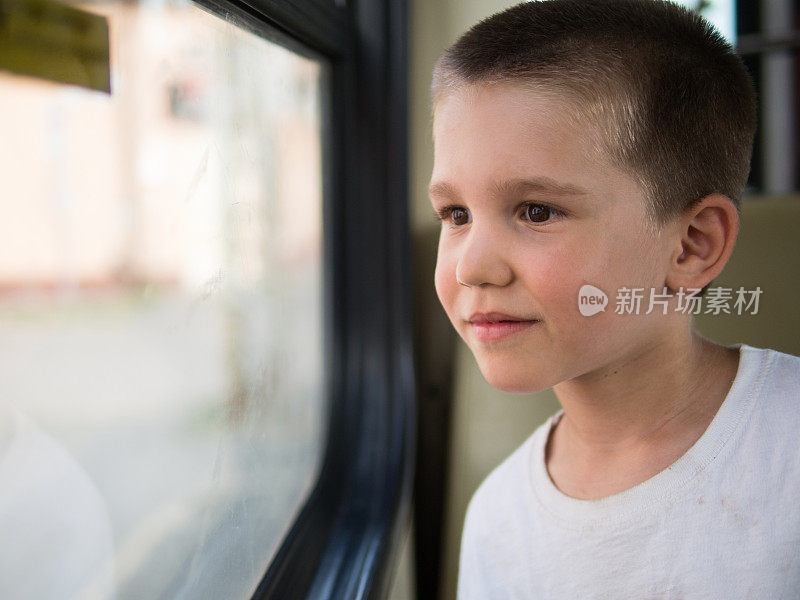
(490, 327)
(495, 317)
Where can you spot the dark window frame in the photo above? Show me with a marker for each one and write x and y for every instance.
(344, 540)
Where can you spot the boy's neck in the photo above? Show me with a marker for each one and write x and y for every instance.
(621, 428)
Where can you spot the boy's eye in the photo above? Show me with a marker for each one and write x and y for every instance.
(459, 216)
(456, 216)
(538, 213)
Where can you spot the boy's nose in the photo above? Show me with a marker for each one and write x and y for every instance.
(483, 260)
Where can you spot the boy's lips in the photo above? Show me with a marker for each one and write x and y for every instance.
(494, 326)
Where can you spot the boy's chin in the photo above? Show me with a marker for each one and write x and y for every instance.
(514, 381)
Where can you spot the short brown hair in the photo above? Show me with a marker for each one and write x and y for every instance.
(674, 103)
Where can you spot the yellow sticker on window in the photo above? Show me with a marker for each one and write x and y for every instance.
(47, 39)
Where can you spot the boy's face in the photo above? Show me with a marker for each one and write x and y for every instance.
(530, 216)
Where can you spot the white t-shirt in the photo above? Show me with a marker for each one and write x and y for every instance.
(721, 523)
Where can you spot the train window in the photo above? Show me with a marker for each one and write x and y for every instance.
(766, 35)
(768, 40)
(207, 382)
(161, 309)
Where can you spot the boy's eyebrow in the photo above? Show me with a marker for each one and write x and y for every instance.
(536, 184)
(442, 189)
(514, 187)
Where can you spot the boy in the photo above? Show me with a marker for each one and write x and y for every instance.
(607, 144)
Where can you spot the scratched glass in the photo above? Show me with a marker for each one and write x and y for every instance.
(161, 351)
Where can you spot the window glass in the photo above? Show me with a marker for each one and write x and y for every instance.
(161, 362)
(720, 13)
(768, 42)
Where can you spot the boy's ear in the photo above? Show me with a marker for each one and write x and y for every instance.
(705, 237)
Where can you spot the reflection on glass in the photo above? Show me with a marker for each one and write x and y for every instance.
(160, 309)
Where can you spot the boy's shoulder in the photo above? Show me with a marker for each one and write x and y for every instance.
(505, 492)
(768, 374)
(498, 523)
(769, 381)
(786, 365)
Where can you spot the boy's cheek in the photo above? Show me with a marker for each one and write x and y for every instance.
(558, 277)
(448, 291)
(444, 282)
(555, 279)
